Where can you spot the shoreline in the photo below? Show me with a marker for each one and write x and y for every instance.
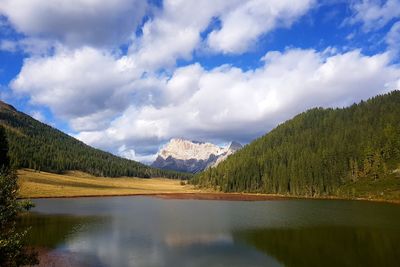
(34, 185)
(218, 196)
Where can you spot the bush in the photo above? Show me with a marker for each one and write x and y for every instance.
(12, 249)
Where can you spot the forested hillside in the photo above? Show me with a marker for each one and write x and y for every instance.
(38, 146)
(320, 152)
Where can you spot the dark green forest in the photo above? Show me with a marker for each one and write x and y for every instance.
(345, 246)
(320, 152)
(41, 147)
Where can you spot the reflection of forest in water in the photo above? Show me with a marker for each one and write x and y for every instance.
(49, 231)
(143, 231)
(304, 246)
(326, 245)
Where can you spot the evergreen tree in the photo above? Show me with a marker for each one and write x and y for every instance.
(316, 152)
(38, 146)
(12, 250)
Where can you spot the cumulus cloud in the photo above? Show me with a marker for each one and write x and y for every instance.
(31, 46)
(175, 31)
(98, 83)
(241, 26)
(130, 153)
(75, 22)
(374, 14)
(228, 103)
(79, 83)
(130, 103)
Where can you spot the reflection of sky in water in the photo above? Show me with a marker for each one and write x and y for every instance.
(142, 231)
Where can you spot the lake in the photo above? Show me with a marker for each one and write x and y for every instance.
(147, 231)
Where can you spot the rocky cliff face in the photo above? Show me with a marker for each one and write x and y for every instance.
(192, 156)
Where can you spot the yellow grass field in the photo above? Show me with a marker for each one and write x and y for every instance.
(78, 184)
(43, 184)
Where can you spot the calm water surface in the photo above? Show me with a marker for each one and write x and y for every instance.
(146, 231)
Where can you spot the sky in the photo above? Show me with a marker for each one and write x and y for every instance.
(126, 76)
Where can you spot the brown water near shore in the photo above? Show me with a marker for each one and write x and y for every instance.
(196, 196)
(54, 258)
(220, 196)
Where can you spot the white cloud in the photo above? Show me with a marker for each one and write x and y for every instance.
(228, 103)
(8, 45)
(5, 92)
(36, 114)
(374, 14)
(76, 84)
(97, 119)
(243, 25)
(130, 153)
(175, 31)
(99, 84)
(31, 46)
(393, 38)
(125, 104)
(75, 22)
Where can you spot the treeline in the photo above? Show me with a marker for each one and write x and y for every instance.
(38, 146)
(316, 152)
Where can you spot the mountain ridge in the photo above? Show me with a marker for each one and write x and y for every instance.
(39, 146)
(192, 156)
(351, 152)
(4, 105)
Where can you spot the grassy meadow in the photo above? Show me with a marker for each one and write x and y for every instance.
(35, 184)
(387, 188)
(43, 184)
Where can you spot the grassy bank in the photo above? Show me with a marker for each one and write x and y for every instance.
(385, 189)
(75, 184)
(43, 184)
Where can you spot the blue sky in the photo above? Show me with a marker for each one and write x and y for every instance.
(126, 76)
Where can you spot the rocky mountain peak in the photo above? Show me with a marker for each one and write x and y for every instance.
(192, 156)
(185, 149)
(235, 146)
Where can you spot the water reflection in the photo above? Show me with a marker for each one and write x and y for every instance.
(153, 232)
(326, 246)
(49, 231)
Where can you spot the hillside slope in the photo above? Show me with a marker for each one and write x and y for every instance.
(38, 146)
(353, 151)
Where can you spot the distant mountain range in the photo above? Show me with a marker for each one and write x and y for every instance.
(39, 146)
(349, 152)
(192, 156)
